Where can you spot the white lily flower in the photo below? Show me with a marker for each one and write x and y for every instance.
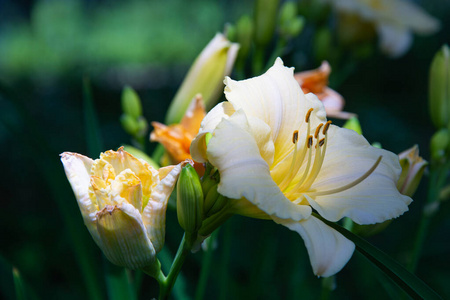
(394, 20)
(123, 202)
(280, 158)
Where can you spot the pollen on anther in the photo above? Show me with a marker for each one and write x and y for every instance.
(318, 130)
(308, 114)
(295, 137)
(321, 142)
(326, 126)
(310, 141)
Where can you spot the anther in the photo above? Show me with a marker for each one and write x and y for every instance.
(325, 128)
(318, 130)
(308, 114)
(321, 142)
(310, 141)
(295, 137)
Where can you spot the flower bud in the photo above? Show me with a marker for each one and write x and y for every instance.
(189, 200)
(265, 20)
(439, 144)
(129, 124)
(289, 24)
(205, 77)
(131, 104)
(413, 167)
(439, 89)
(214, 201)
(244, 32)
(353, 124)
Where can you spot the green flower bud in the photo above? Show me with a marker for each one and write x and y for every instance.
(296, 26)
(288, 12)
(322, 44)
(413, 167)
(189, 200)
(244, 32)
(129, 124)
(439, 89)
(131, 104)
(214, 201)
(353, 124)
(265, 20)
(142, 126)
(439, 144)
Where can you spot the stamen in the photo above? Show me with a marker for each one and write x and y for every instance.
(321, 142)
(325, 128)
(308, 114)
(310, 141)
(295, 137)
(316, 135)
(350, 185)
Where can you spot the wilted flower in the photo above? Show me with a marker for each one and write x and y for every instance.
(123, 202)
(316, 82)
(177, 138)
(413, 167)
(279, 158)
(395, 21)
(204, 77)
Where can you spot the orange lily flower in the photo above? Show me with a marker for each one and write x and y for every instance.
(177, 138)
(316, 82)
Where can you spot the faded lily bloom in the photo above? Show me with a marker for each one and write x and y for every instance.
(204, 77)
(413, 167)
(279, 158)
(316, 82)
(177, 138)
(123, 202)
(394, 20)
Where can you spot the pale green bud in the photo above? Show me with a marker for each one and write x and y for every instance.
(142, 126)
(131, 104)
(129, 124)
(439, 89)
(353, 124)
(296, 26)
(439, 144)
(288, 12)
(244, 32)
(265, 20)
(413, 167)
(189, 200)
(214, 201)
(205, 77)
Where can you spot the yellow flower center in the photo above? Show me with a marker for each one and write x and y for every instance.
(310, 158)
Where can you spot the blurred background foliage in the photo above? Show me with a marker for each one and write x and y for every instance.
(48, 47)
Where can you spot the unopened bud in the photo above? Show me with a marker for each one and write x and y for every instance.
(439, 144)
(142, 126)
(439, 89)
(244, 32)
(289, 24)
(129, 124)
(265, 20)
(131, 104)
(214, 201)
(189, 200)
(413, 167)
(353, 124)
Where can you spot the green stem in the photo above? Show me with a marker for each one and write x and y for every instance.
(166, 283)
(206, 267)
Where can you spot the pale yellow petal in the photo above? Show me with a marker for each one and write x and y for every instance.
(123, 237)
(128, 187)
(374, 200)
(244, 173)
(154, 214)
(328, 250)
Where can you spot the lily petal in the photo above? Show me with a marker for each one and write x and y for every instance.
(154, 214)
(376, 199)
(123, 238)
(394, 40)
(328, 250)
(277, 99)
(244, 173)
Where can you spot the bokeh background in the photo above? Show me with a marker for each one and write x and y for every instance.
(47, 47)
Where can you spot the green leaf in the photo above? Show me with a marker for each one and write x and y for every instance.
(407, 281)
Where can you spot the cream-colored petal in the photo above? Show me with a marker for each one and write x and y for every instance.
(413, 17)
(198, 145)
(394, 40)
(77, 168)
(244, 173)
(154, 214)
(276, 98)
(375, 199)
(128, 187)
(328, 250)
(123, 237)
